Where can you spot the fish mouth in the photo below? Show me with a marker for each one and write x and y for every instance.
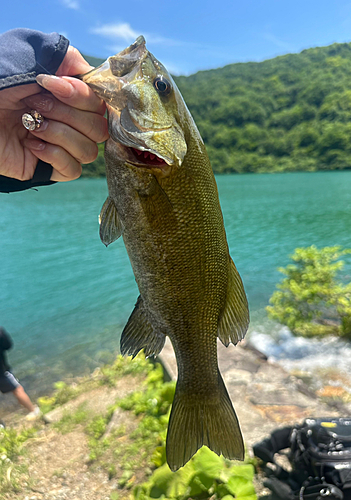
(144, 159)
(111, 76)
(136, 143)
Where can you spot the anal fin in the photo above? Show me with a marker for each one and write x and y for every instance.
(111, 227)
(234, 320)
(139, 334)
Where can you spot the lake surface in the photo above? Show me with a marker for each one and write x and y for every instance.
(65, 298)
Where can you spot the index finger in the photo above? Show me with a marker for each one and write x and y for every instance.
(73, 63)
(72, 92)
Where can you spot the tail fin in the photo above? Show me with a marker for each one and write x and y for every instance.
(193, 424)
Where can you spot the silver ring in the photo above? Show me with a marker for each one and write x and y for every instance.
(32, 120)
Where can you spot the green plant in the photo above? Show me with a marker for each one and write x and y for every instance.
(63, 393)
(11, 448)
(149, 409)
(108, 375)
(125, 366)
(97, 449)
(96, 428)
(155, 399)
(310, 300)
(205, 475)
(152, 406)
(70, 420)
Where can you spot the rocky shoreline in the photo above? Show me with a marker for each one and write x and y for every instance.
(264, 395)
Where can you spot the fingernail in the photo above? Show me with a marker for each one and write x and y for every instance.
(40, 102)
(34, 144)
(56, 85)
(42, 127)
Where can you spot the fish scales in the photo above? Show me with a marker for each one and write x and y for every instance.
(163, 200)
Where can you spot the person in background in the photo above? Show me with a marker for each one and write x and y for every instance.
(9, 383)
(37, 88)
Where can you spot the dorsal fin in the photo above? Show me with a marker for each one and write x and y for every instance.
(111, 227)
(234, 320)
(139, 334)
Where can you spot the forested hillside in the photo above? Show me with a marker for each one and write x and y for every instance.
(285, 114)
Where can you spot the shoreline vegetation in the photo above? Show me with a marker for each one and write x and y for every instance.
(314, 300)
(112, 424)
(287, 114)
(102, 437)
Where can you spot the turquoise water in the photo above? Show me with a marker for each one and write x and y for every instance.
(65, 298)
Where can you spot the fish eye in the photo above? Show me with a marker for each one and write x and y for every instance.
(162, 85)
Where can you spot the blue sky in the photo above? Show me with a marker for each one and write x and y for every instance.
(188, 35)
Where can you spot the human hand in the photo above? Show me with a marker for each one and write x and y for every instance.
(73, 124)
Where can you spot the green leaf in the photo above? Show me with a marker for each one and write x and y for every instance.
(244, 470)
(171, 484)
(250, 497)
(222, 490)
(208, 462)
(159, 456)
(199, 483)
(241, 486)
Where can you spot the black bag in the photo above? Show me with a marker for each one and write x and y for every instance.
(320, 457)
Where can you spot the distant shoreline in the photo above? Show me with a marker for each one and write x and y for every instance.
(234, 172)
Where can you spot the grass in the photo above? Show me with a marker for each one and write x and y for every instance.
(106, 375)
(12, 470)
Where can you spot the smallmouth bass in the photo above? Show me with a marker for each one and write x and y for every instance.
(163, 200)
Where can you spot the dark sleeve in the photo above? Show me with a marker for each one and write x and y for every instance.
(24, 54)
(41, 177)
(5, 340)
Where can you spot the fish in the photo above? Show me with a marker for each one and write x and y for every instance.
(163, 201)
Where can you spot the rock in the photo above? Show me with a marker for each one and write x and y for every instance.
(54, 415)
(237, 376)
(114, 423)
(96, 373)
(38, 490)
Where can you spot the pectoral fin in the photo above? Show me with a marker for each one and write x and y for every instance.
(111, 227)
(139, 334)
(234, 320)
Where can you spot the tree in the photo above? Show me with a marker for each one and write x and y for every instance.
(290, 113)
(310, 300)
(97, 167)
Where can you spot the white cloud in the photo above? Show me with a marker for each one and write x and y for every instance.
(112, 31)
(70, 4)
(125, 32)
(119, 34)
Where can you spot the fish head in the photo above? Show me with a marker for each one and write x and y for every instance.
(148, 119)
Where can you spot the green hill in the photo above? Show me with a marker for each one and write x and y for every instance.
(290, 113)
(94, 61)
